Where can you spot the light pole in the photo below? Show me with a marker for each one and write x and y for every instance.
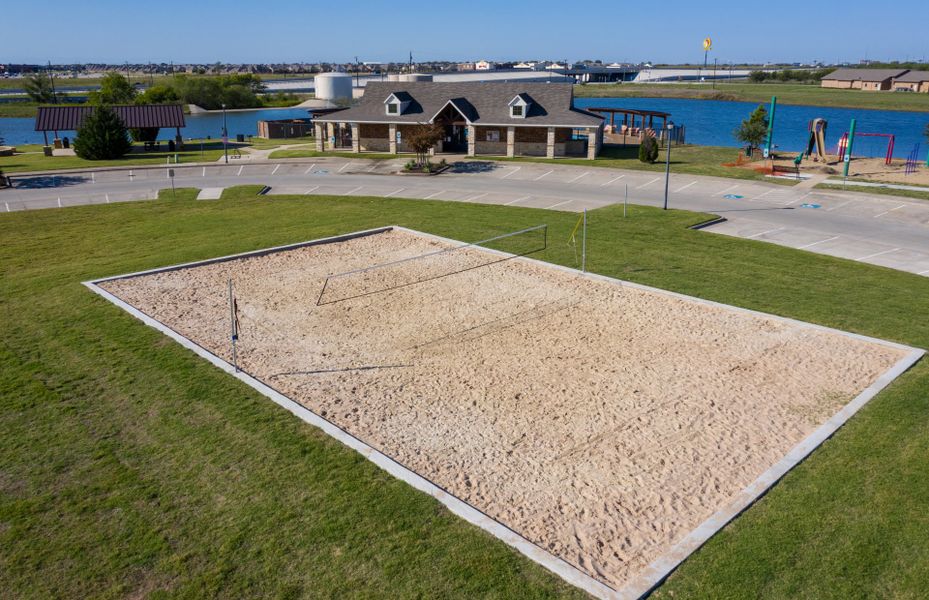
(667, 163)
(225, 136)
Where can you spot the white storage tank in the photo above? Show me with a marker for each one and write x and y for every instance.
(415, 77)
(333, 86)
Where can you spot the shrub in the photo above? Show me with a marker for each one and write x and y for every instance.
(648, 150)
(754, 129)
(102, 136)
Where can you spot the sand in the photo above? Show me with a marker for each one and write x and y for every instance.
(601, 421)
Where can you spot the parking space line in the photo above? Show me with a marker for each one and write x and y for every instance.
(511, 172)
(889, 211)
(876, 254)
(204, 172)
(835, 237)
(350, 192)
(649, 183)
(473, 198)
(311, 190)
(579, 176)
(758, 197)
(344, 166)
(559, 204)
(311, 167)
(431, 196)
(611, 181)
(763, 233)
(517, 200)
(923, 272)
(276, 167)
(394, 192)
(240, 170)
(543, 175)
(840, 205)
(373, 166)
(727, 190)
(681, 189)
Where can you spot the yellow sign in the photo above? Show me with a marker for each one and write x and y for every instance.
(707, 44)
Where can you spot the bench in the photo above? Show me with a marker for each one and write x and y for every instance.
(794, 170)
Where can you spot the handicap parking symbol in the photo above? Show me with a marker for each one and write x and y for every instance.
(806, 205)
(733, 196)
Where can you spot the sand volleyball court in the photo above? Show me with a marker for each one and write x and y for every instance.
(601, 421)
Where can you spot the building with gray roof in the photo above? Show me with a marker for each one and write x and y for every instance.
(861, 79)
(504, 119)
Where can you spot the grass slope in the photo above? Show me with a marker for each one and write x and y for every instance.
(787, 93)
(130, 467)
(31, 158)
(874, 190)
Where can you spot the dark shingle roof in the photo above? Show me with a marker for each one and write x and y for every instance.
(913, 76)
(864, 74)
(480, 103)
(69, 118)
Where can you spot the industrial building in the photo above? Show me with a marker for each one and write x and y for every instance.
(862, 79)
(500, 119)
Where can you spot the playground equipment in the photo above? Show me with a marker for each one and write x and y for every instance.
(817, 140)
(912, 161)
(889, 155)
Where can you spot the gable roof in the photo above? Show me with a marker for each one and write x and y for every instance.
(864, 74)
(69, 118)
(913, 77)
(524, 97)
(401, 96)
(551, 104)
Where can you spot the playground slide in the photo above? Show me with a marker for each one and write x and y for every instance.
(817, 139)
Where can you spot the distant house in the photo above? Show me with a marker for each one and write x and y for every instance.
(483, 65)
(862, 79)
(502, 119)
(913, 81)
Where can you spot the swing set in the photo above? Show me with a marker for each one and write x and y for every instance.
(888, 156)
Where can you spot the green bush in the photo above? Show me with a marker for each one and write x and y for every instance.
(102, 136)
(648, 150)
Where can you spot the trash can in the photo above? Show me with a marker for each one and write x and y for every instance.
(171, 146)
(748, 151)
(240, 138)
(66, 142)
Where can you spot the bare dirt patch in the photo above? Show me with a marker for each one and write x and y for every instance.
(601, 421)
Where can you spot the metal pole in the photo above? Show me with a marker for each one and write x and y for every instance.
(234, 330)
(667, 173)
(225, 136)
(848, 148)
(584, 245)
(767, 150)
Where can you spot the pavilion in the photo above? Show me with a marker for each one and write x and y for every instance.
(134, 116)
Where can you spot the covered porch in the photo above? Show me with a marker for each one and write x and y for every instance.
(637, 124)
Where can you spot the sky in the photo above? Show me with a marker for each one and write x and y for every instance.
(237, 31)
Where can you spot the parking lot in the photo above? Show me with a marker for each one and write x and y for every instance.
(892, 232)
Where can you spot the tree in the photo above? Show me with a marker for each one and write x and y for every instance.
(114, 89)
(40, 88)
(422, 137)
(158, 94)
(648, 150)
(754, 129)
(102, 136)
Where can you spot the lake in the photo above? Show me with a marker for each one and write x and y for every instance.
(709, 122)
(20, 131)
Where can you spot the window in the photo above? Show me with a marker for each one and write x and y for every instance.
(516, 111)
(393, 108)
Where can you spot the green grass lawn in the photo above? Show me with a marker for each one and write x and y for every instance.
(874, 190)
(787, 93)
(309, 153)
(31, 158)
(130, 467)
(691, 159)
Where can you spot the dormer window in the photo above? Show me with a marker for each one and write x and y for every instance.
(397, 102)
(519, 106)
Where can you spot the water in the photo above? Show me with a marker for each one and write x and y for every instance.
(711, 123)
(20, 131)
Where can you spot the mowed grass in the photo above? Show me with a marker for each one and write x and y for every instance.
(30, 158)
(884, 191)
(130, 467)
(787, 93)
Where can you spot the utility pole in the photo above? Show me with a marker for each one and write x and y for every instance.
(51, 76)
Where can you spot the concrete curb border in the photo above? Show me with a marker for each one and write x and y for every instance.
(708, 223)
(655, 573)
